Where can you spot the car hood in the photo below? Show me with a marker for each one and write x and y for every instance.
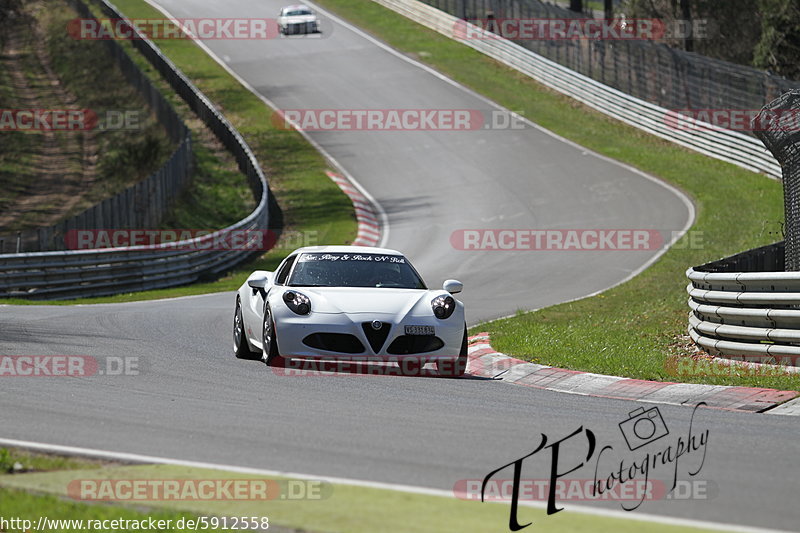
(372, 301)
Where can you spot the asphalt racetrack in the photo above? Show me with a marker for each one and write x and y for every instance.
(193, 400)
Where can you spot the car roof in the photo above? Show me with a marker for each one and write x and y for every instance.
(298, 6)
(347, 249)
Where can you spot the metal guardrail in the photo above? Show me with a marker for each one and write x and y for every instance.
(782, 138)
(646, 69)
(726, 145)
(746, 306)
(85, 273)
(742, 306)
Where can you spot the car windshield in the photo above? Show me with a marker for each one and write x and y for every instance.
(297, 13)
(354, 270)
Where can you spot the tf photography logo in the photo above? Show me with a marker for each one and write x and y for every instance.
(643, 430)
(643, 427)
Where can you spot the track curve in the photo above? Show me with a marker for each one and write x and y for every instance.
(193, 400)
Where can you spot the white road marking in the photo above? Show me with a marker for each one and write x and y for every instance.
(381, 213)
(148, 459)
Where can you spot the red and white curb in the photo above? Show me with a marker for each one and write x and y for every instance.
(484, 361)
(369, 229)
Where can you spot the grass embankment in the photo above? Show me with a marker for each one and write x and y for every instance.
(635, 328)
(631, 330)
(49, 176)
(314, 506)
(314, 209)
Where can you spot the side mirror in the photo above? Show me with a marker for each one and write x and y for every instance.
(453, 286)
(259, 280)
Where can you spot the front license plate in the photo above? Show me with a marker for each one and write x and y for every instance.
(420, 330)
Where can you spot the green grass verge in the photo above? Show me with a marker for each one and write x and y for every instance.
(736, 210)
(314, 209)
(340, 507)
(15, 460)
(218, 194)
(632, 329)
(30, 505)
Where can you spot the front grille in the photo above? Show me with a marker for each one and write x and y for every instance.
(376, 337)
(300, 27)
(334, 342)
(413, 344)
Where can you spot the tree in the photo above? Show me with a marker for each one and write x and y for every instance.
(10, 11)
(722, 29)
(686, 16)
(779, 47)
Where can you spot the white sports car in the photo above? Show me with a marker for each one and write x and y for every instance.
(354, 303)
(297, 19)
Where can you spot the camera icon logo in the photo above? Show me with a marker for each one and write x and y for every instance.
(643, 427)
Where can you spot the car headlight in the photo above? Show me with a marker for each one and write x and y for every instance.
(299, 303)
(443, 306)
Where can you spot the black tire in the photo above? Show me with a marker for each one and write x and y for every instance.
(269, 339)
(240, 347)
(457, 368)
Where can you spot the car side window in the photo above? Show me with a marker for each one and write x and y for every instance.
(283, 273)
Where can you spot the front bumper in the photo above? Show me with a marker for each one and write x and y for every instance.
(300, 28)
(314, 336)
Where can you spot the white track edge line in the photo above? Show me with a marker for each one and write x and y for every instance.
(382, 214)
(675, 190)
(581, 509)
(384, 238)
(332, 160)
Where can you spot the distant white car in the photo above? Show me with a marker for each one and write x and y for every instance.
(350, 302)
(297, 19)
